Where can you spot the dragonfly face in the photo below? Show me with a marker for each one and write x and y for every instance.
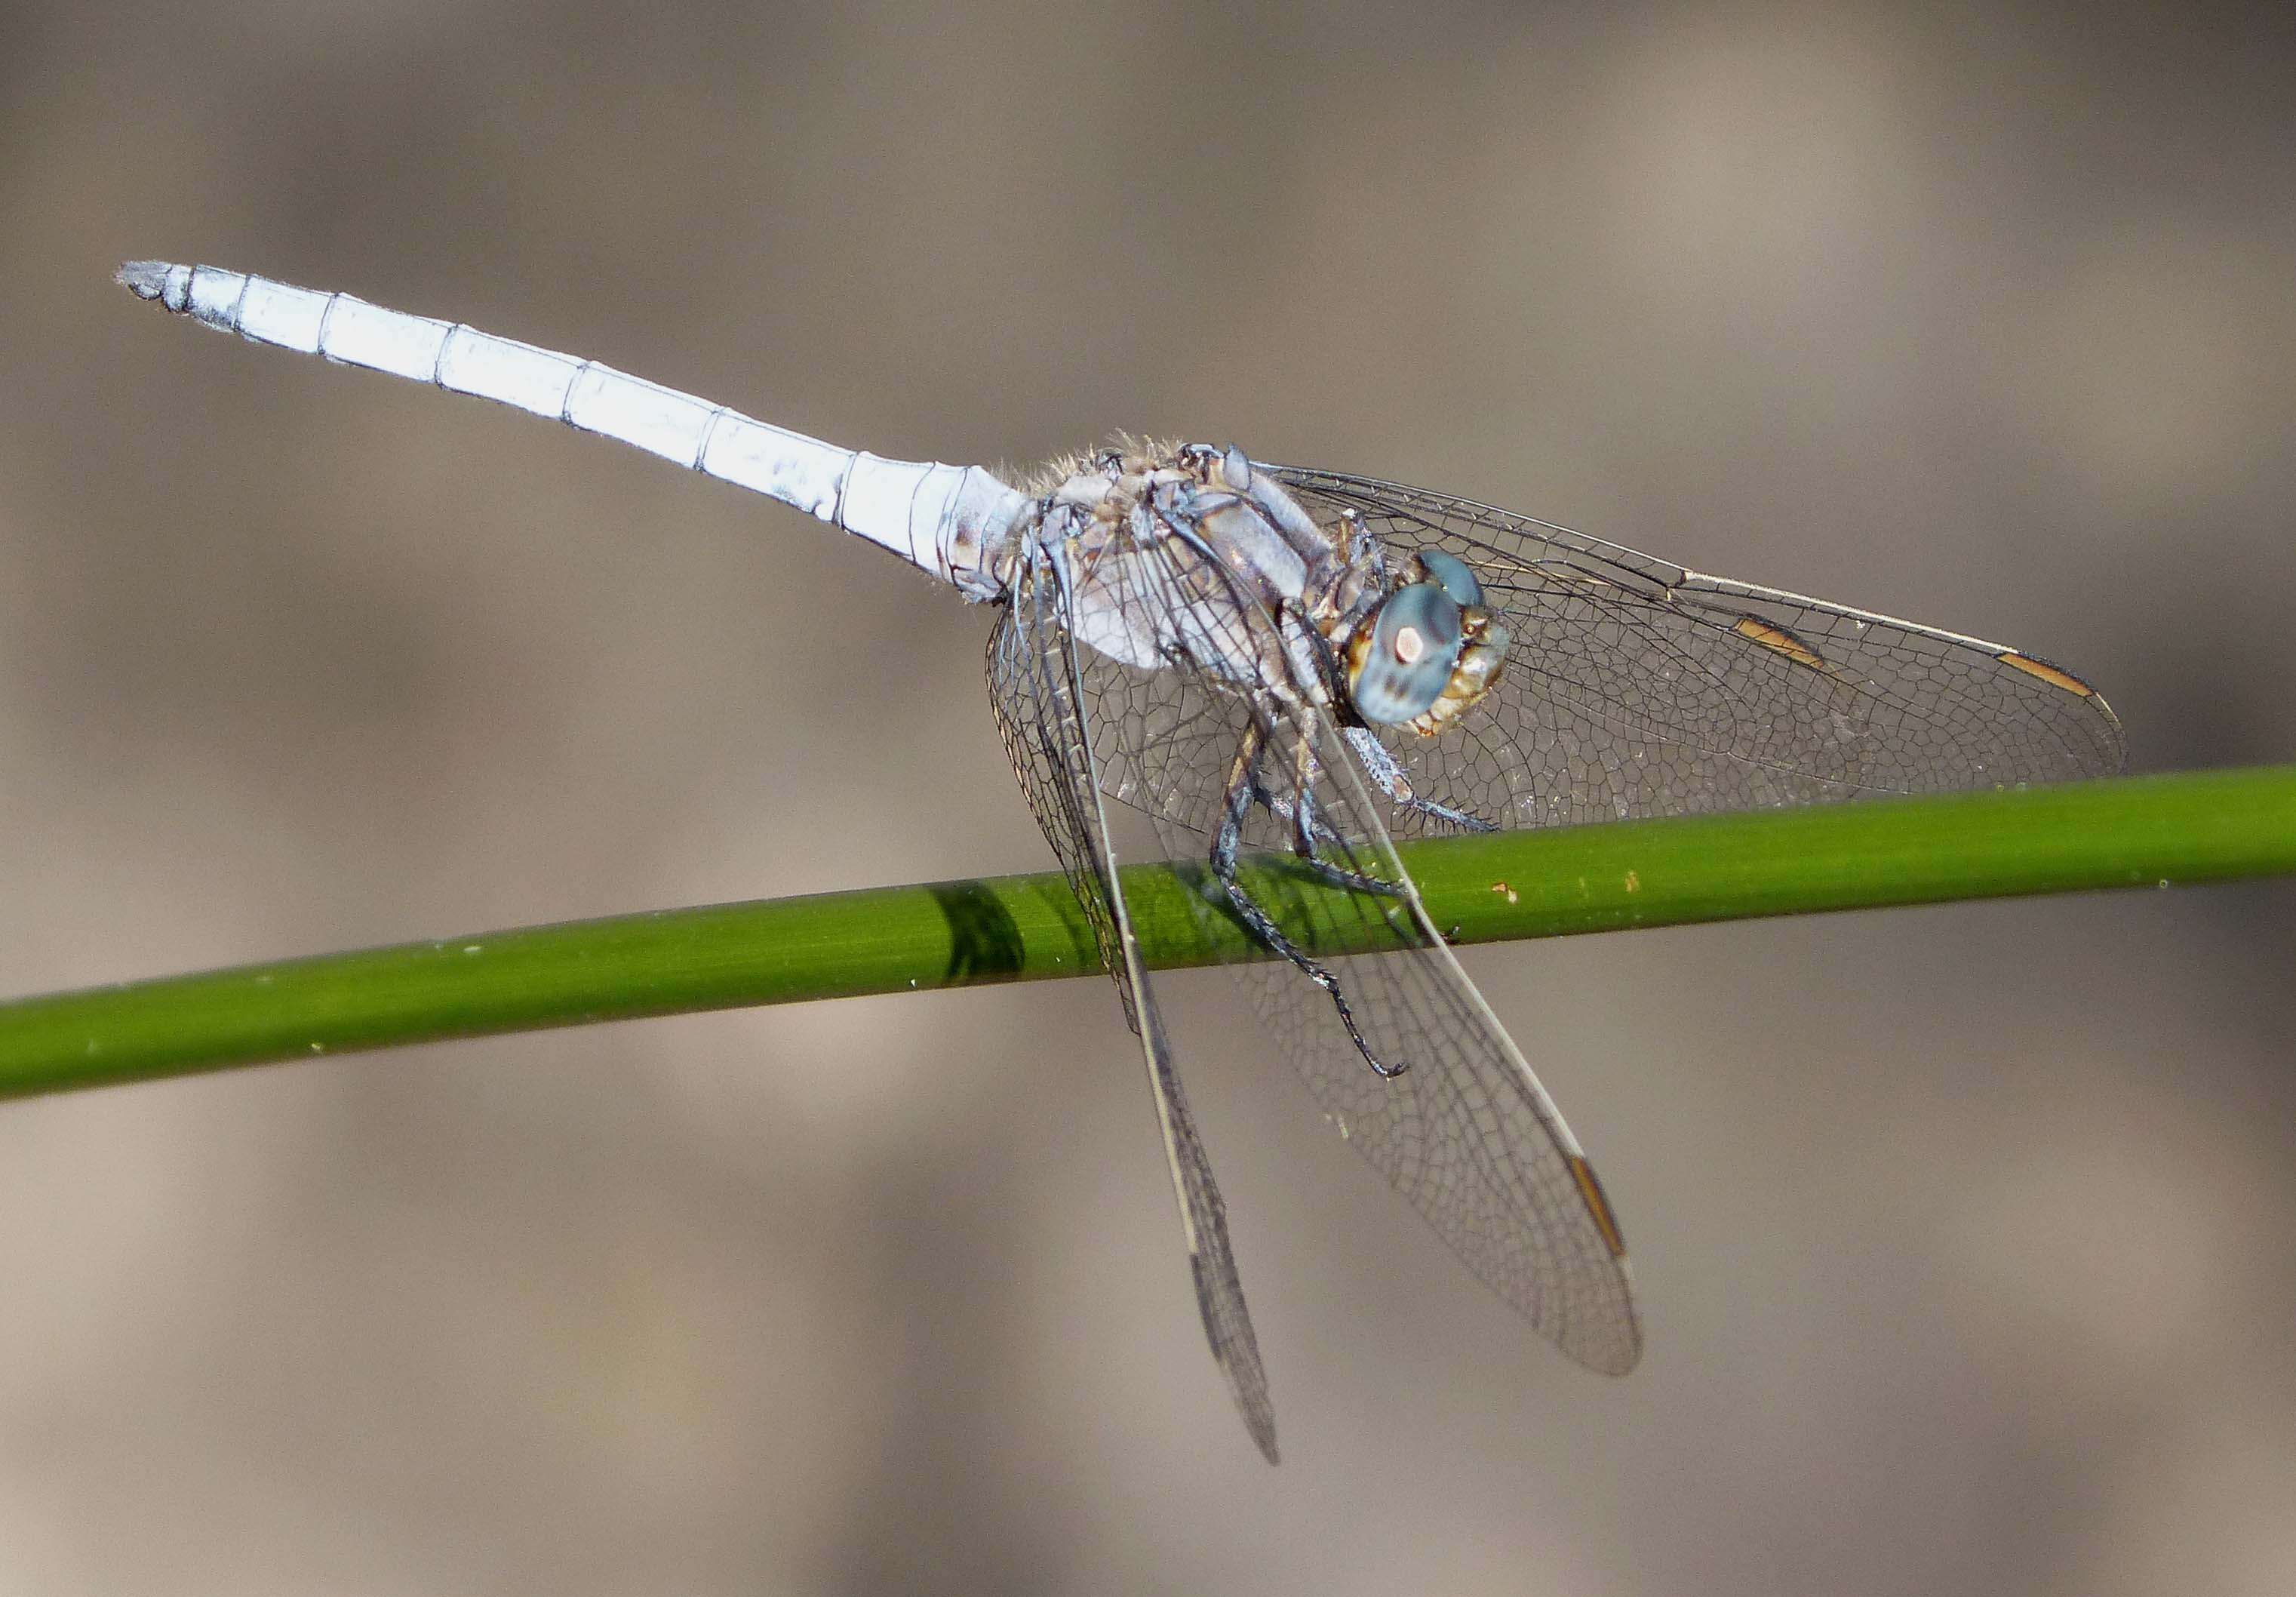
(1430, 651)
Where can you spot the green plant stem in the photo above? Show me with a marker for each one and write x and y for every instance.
(2135, 832)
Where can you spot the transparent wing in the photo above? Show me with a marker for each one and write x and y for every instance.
(1466, 1134)
(1034, 685)
(1635, 688)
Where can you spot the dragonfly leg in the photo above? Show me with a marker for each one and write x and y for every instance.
(1242, 791)
(1282, 807)
(1387, 772)
(1307, 829)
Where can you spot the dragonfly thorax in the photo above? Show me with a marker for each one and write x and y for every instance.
(1183, 552)
(1187, 551)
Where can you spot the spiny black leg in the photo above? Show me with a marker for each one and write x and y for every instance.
(1284, 810)
(1303, 846)
(1445, 813)
(1308, 827)
(1385, 769)
(1258, 921)
(1304, 825)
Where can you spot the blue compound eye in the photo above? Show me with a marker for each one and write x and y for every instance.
(1457, 577)
(1414, 643)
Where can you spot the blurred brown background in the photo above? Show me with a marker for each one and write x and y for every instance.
(1968, 1236)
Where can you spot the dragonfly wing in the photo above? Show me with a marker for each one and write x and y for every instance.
(1466, 1134)
(1035, 685)
(1634, 688)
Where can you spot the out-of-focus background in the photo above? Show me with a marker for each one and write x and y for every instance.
(1968, 1236)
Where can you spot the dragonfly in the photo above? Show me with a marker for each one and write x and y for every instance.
(1280, 664)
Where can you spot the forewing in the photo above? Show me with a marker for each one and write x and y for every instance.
(1466, 1134)
(1033, 687)
(1634, 688)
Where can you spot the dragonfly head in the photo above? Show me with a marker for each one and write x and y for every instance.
(1427, 652)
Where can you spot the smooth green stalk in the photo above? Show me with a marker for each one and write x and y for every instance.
(2142, 832)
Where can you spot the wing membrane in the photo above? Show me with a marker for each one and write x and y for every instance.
(1035, 689)
(1467, 1134)
(1635, 688)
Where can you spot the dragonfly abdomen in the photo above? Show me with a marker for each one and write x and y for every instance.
(952, 521)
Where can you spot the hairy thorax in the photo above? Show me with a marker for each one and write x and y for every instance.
(1180, 551)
